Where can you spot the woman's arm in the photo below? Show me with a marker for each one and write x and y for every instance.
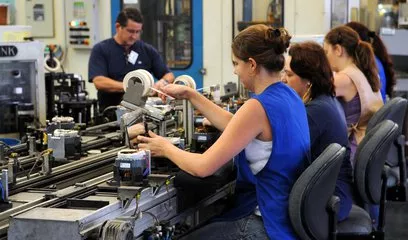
(215, 114)
(249, 122)
(218, 117)
(344, 86)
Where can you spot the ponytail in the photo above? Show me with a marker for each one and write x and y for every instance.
(360, 51)
(381, 52)
(365, 61)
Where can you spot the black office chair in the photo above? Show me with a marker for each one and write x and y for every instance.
(370, 178)
(312, 196)
(394, 110)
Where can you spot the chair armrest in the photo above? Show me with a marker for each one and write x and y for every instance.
(402, 162)
(332, 208)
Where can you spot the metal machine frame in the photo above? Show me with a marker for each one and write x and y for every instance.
(31, 51)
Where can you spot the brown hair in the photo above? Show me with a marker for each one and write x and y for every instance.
(360, 51)
(380, 51)
(309, 61)
(129, 13)
(264, 44)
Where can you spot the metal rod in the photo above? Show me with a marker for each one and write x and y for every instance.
(4, 184)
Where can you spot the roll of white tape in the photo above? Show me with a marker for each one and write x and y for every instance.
(132, 154)
(185, 80)
(142, 76)
(49, 68)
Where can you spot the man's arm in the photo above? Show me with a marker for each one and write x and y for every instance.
(98, 71)
(107, 84)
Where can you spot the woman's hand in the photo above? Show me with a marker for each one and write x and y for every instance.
(178, 91)
(135, 130)
(155, 143)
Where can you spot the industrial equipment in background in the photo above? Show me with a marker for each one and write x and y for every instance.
(132, 167)
(67, 96)
(22, 91)
(64, 139)
(95, 176)
(82, 18)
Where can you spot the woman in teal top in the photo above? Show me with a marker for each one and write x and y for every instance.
(269, 135)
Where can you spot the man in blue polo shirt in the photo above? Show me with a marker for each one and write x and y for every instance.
(113, 58)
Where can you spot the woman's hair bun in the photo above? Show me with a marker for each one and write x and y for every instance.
(278, 39)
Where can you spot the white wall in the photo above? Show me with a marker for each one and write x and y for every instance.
(76, 61)
(307, 17)
(217, 39)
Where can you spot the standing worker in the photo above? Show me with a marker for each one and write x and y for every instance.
(113, 58)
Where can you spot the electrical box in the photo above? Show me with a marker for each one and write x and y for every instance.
(40, 15)
(81, 18)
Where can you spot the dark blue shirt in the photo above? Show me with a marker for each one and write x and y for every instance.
(327, 124)
(110, 59)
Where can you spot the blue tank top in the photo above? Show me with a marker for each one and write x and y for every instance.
(270, 188)
(383, 78)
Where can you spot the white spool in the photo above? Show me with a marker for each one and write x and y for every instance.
(142, 76)
(185, 80)
(49, 68)
(62, 119)
(132, 154)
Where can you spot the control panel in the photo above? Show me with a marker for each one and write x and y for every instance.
(81, 18)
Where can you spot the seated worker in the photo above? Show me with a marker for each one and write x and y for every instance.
(308, 72)
(268, 135)
(113, 58)
(382, 59)
(356, 80)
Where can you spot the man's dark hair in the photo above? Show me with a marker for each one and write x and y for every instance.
(129, 13)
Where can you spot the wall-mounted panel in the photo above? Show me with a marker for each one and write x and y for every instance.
(40, 15)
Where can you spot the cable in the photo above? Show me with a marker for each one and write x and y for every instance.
(109, 108)
(48, 151)
(7, 147)
(137, 197)
(155, 218)
(51, 68)
(166, 182)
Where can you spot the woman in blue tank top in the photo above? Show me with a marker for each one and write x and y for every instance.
(269, 135)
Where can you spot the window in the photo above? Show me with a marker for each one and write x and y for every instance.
(168, 27)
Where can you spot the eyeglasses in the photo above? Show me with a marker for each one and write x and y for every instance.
(131, 31)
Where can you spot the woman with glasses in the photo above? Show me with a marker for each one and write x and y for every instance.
(113, 58)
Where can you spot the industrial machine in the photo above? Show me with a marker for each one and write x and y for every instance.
(67, 96)
(22, 92)
(72, 182)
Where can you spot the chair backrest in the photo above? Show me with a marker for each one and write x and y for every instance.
(370, 159)
(311, 193)
(394, 110)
